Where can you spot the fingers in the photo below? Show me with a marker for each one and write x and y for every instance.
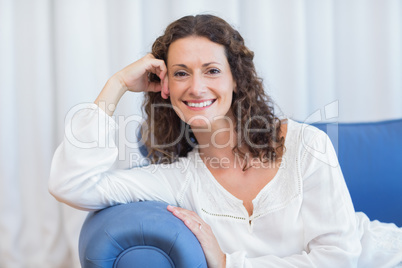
(156, 66)
(159, 68)
(190, 219)
(213, 253)
(162, 87)
(154, 87)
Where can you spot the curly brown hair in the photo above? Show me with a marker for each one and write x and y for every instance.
(257, 127)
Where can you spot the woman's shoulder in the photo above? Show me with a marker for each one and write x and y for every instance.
(305, 139)
(311, 143)
(303, 132)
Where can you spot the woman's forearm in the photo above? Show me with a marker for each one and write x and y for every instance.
(111, 94)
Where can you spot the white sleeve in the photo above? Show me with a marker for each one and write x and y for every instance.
(330, 235)
(82, 173)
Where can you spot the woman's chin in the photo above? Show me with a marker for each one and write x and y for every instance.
(199, 123)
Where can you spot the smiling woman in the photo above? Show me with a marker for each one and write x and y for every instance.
(286, 205)
(208, 61)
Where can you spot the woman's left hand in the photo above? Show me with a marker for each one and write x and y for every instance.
(213, 253)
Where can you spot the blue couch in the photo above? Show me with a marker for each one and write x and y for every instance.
(145, 234)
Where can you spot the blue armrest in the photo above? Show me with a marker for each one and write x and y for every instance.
(142, 234)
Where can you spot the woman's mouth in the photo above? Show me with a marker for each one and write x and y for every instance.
(199, 104)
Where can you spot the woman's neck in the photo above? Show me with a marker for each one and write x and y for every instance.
(216, 142)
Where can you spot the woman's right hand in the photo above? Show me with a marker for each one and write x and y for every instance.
(135, 77)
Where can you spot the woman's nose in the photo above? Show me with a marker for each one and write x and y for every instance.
(197, 86)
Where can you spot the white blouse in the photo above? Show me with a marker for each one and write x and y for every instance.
(303, 217)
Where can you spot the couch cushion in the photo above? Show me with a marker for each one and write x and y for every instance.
(370, 155)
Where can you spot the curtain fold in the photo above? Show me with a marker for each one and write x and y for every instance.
(340, 58)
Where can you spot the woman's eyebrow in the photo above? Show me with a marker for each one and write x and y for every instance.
(180, 65)
(209, 63)
(204, 65)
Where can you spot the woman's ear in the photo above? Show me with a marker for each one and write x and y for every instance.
(234, 87)
(165, 92)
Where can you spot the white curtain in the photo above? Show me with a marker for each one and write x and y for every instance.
(340, 58)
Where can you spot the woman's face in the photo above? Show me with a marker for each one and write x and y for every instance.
(200, 81)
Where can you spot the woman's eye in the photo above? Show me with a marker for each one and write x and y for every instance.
(214, 71)
(180, 74)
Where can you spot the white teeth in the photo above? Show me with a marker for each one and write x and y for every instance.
(199, 104)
